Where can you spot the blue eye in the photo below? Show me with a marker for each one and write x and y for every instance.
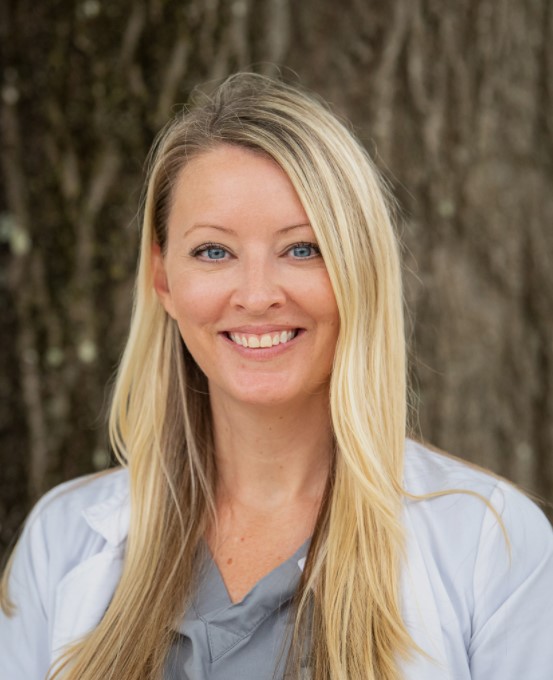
(215, 253)
(304, 250)
(210, 251)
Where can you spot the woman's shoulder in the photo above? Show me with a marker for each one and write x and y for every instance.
(480, 554)
(79, 494)
(428, 470)
(433, 479)
(460, 514)
(74, 533)
(70, 524)
(95, 504)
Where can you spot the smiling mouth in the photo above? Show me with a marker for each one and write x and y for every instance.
(253, 341)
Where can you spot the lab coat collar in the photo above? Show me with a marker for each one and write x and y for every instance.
(110, 518)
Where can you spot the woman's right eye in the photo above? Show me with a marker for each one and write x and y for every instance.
(210, 251)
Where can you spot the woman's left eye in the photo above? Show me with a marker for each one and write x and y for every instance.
(303, 251)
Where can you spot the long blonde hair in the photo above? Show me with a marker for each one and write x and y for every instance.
(347, 611)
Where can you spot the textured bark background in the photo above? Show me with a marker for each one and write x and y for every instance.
(455, 103)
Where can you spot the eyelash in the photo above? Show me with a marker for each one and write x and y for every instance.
(306, 244)
(197, 252)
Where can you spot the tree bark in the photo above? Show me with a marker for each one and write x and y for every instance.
(454, 103)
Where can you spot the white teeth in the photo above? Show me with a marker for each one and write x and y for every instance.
(265, 340)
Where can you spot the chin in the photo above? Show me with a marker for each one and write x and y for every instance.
(255, 398)
(258, 392)
(273, 396)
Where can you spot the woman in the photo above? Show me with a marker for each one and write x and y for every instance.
(269, 518)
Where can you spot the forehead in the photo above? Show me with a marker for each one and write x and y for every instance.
(227, 164)
(228, 182)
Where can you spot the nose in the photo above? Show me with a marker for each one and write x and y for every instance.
(258, 287)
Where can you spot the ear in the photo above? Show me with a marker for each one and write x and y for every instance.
(161, 285)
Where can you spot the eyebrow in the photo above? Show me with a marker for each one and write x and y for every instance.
(231, 231)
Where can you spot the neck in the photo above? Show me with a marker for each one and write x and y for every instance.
(269, 456)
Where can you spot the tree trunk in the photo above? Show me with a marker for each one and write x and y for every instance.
(455, 105)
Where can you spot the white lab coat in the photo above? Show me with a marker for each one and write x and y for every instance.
(479, 612)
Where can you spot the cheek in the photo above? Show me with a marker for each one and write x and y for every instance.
(198, 300)
(322, 301)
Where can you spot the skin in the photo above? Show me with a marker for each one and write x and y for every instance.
(241, 258)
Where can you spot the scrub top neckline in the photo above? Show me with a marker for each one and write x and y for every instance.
(297, 559)
(212, 604)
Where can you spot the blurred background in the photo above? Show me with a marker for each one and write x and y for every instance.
(454, 101)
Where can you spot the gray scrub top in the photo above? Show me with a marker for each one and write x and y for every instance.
(219, 640)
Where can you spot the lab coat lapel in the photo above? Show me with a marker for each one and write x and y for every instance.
(85, 592)
(83, 596)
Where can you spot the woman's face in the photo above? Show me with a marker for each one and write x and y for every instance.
(243, 278)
